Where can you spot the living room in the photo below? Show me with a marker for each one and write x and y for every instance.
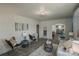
(42, 22)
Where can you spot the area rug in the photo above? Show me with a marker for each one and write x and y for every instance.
(40, 52)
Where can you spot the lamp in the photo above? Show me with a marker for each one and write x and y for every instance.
(71, 34)
(24, 35)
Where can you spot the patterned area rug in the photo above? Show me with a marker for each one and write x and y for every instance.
(40, 51)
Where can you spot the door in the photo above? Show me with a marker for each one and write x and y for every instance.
(37, 30)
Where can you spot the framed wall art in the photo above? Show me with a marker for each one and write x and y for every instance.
(21, 26)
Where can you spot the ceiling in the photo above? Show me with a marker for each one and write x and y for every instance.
(57, 10)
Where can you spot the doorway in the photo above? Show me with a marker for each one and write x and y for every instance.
(37, 30)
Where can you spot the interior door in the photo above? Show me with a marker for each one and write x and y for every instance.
(37, 30)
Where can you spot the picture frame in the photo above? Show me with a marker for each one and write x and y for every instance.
(16, 26)
(21, 26)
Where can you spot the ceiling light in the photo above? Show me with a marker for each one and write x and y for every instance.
(43, 11)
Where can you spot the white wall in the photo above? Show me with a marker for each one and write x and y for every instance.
(48, 24)
(7, 29)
